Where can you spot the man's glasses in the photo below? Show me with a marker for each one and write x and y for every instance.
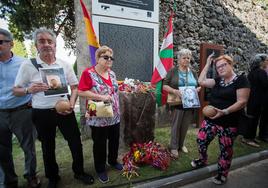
(106, 57)
(3, 41)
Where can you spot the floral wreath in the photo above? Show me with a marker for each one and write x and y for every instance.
(151, 153)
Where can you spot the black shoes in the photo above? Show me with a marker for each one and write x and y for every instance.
(33, 182)
(53, 183)
(85, 178)
(103, 177)
(11, 185)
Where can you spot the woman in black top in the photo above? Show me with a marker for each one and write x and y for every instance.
(257, 106)
(229, 96)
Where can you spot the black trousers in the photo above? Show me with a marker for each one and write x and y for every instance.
(259, 118)
(100, 136)
(46, 121)
(263, 133)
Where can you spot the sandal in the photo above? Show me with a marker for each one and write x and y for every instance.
(251, 143)
(197, 163)
(174, 154)
(219, 180)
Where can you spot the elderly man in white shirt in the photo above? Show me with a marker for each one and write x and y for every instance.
(45, 117)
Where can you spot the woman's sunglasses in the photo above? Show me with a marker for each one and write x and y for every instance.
(3, 41)
(106, 57)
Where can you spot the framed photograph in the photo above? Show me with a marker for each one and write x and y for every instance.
(189, 97)
(55, 79)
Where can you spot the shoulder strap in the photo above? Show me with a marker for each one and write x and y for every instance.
(36, 65)
(194, 73)
(174, 70)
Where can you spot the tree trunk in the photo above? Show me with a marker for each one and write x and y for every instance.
(83, 59)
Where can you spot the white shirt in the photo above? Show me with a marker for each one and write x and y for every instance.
(28, 74)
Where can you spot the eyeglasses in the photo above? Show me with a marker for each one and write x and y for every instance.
(221, 66)
(2, 41)
(106, 57)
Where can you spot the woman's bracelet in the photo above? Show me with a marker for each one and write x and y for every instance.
(225, 112)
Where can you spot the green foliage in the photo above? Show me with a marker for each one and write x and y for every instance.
(75, 68)
(19, 49)
(33, 50)
(25, 16)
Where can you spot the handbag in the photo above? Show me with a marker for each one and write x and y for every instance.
(99, 109)
(173, 99)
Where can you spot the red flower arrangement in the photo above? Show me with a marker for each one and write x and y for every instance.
(151, 153)
(131, 86)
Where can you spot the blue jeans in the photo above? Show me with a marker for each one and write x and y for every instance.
(20, 124)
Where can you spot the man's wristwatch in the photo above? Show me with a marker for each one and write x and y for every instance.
(26, 91)
(225, 112)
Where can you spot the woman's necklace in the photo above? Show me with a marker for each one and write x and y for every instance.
(231, 79)
(183, 76)
(102, 73)
(228, 82)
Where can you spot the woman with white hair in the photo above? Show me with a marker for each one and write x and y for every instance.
(180, 75)
(258, 100)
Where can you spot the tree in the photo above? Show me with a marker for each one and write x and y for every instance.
(33, 51)
(26, 15)
(19, 49)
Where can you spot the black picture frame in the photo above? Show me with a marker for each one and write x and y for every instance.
(212, 73)
(54, 74)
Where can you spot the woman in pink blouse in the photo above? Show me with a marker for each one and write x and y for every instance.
(99, 83)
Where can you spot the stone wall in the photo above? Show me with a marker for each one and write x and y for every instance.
(241, 26)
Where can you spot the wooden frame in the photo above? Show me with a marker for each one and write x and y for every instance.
(205, 50)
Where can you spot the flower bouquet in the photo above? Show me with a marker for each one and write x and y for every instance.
(150, 153)
(132, 85)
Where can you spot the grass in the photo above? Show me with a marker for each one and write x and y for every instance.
(147, 173)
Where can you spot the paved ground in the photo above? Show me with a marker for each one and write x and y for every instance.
(252, 170)
(251, 176)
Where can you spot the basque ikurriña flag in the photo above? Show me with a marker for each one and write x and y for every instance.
(92, 40)
(164, 64)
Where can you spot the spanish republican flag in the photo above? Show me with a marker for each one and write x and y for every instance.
(92, 40)
(165, 62)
